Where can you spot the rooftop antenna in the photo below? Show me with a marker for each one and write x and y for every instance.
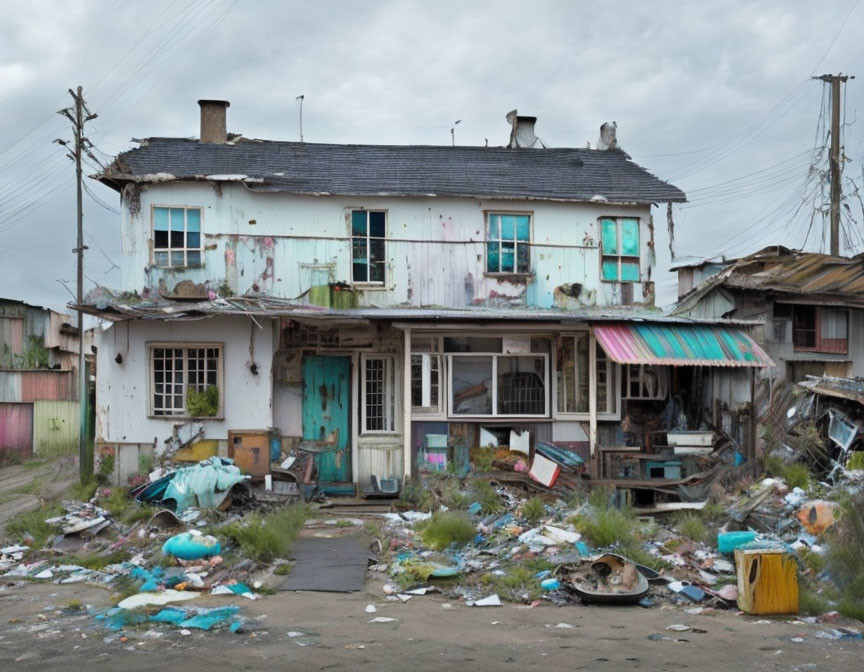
(300, 98)
(453, 132)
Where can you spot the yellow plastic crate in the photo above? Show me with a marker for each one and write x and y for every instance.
(767, 581)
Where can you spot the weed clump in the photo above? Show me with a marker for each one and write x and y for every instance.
(446, 528)
(692, 526)
(845, 550)
(33, 523)
(605, 525)
(485, 494)
(533, 510)
(264, 538)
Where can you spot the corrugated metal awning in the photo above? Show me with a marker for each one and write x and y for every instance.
(680, 345)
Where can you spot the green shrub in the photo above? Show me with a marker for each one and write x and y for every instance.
(203, 404)
(605, 525)
(812, 603)
(796, 474)
(485, 494)
(446, 528)
(845, 543)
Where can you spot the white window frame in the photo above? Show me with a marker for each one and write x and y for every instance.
(451, 356)
(620, 257)
(635, 373)
(613, 373)
(391, 393)
(516, 243)
(185, 249)
(185, 346)
(429, 349)
(371, 284)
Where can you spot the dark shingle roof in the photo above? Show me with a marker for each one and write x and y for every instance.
(399, 170)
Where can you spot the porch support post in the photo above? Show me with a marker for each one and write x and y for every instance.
(406, 405)
(592, 392)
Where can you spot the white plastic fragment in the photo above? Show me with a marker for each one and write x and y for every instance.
(383, 619)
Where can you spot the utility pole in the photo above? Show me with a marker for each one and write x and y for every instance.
(301, 97)
(77, 116)
(835, 161)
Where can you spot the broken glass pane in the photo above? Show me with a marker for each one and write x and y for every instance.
(523, 227)
(610, 236)
(377, 227)
(160, 239)
(523, 258)
(630, 237)
(492, 258)
(177, 239)
(358, 222)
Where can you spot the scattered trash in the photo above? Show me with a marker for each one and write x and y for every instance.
(491, 601)
(610, 579)
(383, 619)
(192, 546)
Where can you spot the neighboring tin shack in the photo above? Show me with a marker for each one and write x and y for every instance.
(38, 397)
(396, 305)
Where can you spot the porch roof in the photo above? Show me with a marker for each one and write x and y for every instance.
(680, 345)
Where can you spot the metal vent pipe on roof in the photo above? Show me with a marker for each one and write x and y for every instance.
(522, 131)
(214, 128)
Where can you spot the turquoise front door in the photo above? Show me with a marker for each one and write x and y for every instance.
(326, 414)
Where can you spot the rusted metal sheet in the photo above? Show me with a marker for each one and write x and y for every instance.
(48, 384)
(11, 334)
(55, 426)
(16, 430)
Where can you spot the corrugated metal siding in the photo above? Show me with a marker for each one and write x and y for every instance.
(48, 384)
(686, 344)
(12, 333)
(55, 426)
(30, 385)
(16, 430)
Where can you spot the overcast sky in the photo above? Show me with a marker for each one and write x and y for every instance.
(712, 96)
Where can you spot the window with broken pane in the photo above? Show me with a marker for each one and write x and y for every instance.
(508, 243)
(368, 246)
(177, 237)
(572, 368)
(175, 370)
(619, 242)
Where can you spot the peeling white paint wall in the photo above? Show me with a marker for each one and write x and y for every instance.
(123, 390)
(248, 244)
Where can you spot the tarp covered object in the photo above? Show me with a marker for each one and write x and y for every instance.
(204, 485)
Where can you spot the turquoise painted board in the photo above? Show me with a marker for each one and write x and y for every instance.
(326, 409)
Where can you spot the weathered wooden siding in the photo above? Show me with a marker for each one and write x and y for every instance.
(16, 430)
(55, 426)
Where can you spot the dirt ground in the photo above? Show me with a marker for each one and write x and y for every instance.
(23, 487)
(324, 631)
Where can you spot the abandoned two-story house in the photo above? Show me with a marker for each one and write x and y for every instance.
(384, 300)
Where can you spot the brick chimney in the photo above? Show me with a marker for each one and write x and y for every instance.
(214, 129)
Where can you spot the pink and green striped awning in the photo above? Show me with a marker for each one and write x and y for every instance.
(680, 345)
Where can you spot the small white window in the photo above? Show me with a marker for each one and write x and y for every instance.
(186, 379)
(426, 376)
(176, 237)
(379, 394)
(572, 368)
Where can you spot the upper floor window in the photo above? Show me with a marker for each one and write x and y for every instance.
(816, 329)
(620, 249)
(176, 237)
(368, 246)
(508, 243)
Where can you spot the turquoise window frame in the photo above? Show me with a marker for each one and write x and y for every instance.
(508, 243)
(620, 258)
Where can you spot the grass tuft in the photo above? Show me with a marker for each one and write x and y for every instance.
(33, 523)
(604, 525)
(533, 510)
(485, 494)
(446, 528)
(264, 538)
(692, 526)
